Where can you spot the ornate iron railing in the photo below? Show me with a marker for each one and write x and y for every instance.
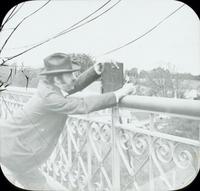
(145, 143)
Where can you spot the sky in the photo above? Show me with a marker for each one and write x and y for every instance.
(175, 43)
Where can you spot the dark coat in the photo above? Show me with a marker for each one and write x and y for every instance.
(29, 137)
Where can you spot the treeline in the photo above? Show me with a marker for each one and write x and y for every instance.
(143, 73)
(156, 82)
(162, 82)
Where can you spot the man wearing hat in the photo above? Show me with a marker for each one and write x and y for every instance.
(30, 135)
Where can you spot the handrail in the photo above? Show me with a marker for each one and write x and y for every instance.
(174, 106)
(179, 107)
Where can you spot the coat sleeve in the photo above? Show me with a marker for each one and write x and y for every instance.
(84, 80)
(75, 105)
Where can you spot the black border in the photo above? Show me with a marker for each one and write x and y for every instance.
(5, 7)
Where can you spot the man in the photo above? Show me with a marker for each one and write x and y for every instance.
(30, 135)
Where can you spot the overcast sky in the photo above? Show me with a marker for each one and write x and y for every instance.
(175, 41)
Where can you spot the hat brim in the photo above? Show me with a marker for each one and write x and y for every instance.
(75, 67)
(44, 72)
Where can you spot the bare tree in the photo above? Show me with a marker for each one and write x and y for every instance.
(6, 82)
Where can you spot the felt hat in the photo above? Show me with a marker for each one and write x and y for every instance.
(59, 63)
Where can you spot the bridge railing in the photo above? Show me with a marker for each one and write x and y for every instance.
(144, 143)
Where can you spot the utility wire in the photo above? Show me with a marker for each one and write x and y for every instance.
(73, 27)
(6, 29)
(21, 23)
(8, 17)
(16, 11)
(141, 36)
(62, 33)
(19, 47)
(66, 30)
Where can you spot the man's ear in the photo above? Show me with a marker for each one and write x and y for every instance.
(56, 80)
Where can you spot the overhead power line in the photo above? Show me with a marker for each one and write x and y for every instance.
(9, 16)
(21, 23)
(64, 32)
(144, 34)
(14, 13)
(6, 29)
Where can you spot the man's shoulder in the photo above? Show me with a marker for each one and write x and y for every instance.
(46, 90)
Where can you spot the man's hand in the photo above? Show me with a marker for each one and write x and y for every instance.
(99, 67)
(128, 88)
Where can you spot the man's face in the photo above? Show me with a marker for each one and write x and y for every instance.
(68, 81)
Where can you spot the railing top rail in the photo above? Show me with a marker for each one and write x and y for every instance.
(179, 107)
(171, 106)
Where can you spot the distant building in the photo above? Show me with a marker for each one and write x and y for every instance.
(197, 98)
(191, 94)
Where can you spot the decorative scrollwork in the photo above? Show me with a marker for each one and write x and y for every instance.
(82, 127)
(139, 144)
(57, 167)
(82, 181)
(185, 156)
(77, 179)
(99, 187)
(64, 174)
(105, 133)
(49, 165)
(95, 128)
(124, 139)
(163, 150)
(73, 123)
(73, 178)
(61, 169)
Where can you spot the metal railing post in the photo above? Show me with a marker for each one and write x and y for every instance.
(69, 151)
(151, 170)
(115, 154)
(89, 164)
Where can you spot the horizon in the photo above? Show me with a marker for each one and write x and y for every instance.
(175, 41)
(30, 67)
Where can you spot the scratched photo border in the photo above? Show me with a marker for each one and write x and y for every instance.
(7, 6)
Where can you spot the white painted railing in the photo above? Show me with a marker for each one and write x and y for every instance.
(138, 145)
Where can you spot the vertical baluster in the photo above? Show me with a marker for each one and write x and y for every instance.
(2, 109)
(5, 110)
(53, 162)
(174, 178)
(101, 175)
(198, 151)
(89, 161)
(174, 173)
(61, 161)
(115, 154)
(69, 146)
(79, 166)
(1, 102)
(151, 176)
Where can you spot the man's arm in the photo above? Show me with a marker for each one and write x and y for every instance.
(85, 79)
(74, 105)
